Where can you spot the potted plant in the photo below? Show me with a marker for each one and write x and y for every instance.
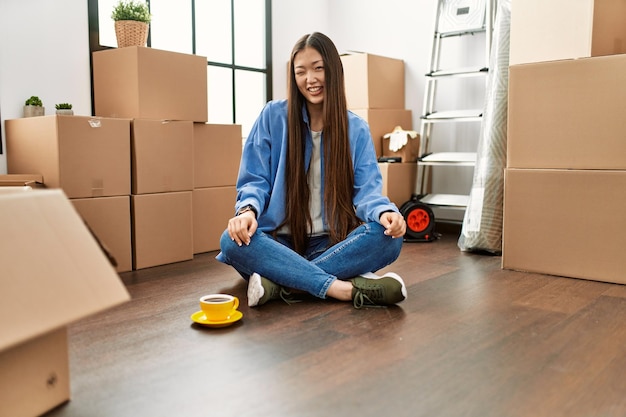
(132, 21)
(33, 107)
(64, 108)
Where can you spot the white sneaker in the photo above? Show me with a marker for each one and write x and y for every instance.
(255, 290)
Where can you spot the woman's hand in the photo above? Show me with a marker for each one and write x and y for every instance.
(242, 227)
(394, 224)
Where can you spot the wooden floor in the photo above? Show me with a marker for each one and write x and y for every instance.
(470, 340)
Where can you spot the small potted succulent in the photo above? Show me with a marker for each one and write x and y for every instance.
(33, 107)
(64, 108)
(132, 22)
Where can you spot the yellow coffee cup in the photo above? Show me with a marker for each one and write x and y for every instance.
(218, 307)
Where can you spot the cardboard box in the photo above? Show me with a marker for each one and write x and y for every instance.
(109, 219)
(383, 121)
(40, 375)
(212, 207)
(398, 180)
(21, 180)
(373, 81)
(162, 228)
(147, 83)
(52, 273)
(564, 29)
(568, 114)
(14, 189)
(217, 154)
(565, 222)
(409, 152)
(85, 156)
(162, 155)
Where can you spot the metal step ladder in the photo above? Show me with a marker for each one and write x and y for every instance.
(454, 19)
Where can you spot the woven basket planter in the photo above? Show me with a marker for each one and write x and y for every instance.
(131, 33)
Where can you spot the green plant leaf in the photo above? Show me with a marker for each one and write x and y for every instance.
(33, 101)
(131, 10)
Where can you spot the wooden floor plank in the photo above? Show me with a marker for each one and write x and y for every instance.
(563, 295)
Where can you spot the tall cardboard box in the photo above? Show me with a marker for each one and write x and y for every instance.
(109, 219)
(217, 153)
(52, 273)
(383, 121)
(162, 228)
(373, 81)
(147, 83)
(399, 180)
(568, 114)
(212, 207)
(162, 156)
(564, 29)
(85, 156)
(565, 222)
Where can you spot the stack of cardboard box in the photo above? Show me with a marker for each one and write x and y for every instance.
(565, 181)
(137, 171)
(183, 169)
(87, 157)
(375, 91)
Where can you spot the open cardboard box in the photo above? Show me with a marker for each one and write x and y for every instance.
(52, 273)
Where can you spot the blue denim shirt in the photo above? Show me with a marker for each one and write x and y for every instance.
(261, 181)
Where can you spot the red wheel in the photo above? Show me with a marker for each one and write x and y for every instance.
(420, 222)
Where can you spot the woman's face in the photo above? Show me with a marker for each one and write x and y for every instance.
(309, 71)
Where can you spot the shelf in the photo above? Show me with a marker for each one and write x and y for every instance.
(461, 32)
(473, 115)
(459, 72)
(449, 158)
(455, 200)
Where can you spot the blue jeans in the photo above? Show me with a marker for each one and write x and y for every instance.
(366, 249)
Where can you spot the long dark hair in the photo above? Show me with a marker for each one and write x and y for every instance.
(338, 169)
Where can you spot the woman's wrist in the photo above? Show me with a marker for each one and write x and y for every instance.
(247, 209)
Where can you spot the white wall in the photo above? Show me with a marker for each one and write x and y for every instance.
(44, 51)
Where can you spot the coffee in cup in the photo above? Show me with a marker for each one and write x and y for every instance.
(218, 307)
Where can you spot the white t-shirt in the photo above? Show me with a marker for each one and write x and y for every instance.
(314, 179)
